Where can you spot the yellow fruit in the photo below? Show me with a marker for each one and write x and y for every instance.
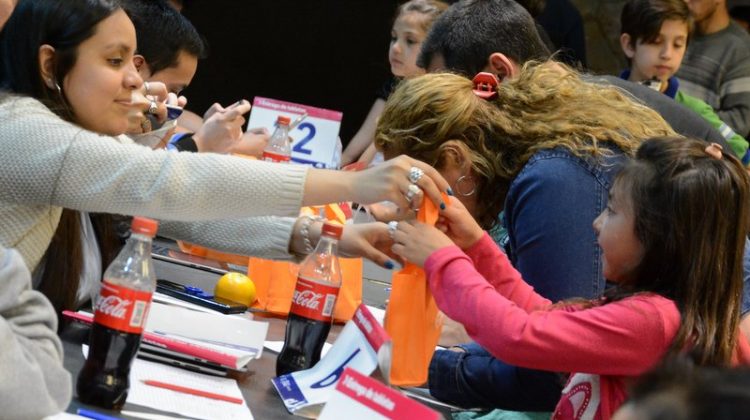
(236, 287)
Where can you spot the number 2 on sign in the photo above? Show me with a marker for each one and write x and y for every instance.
(299, 147)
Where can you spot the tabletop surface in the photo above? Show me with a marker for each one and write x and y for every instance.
(255, 384)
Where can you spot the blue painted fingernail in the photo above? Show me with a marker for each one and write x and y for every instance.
(449, 191)
(389, 265)
(442, 206)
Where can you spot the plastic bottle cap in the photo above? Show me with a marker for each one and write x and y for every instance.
(332, 229)
(283, 120)
(144, 226)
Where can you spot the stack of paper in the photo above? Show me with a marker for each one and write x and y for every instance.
(240, 338)
(181, 403)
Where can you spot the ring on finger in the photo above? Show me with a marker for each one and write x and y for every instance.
(153, 107)
(147, 88)
(412, 192)
(415, 174)
(146, 125)
(392, 228)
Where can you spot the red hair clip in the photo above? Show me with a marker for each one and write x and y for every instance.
(485, 85)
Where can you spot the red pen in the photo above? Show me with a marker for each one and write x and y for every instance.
(193, 391)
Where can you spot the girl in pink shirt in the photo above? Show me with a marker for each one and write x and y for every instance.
(672, 240)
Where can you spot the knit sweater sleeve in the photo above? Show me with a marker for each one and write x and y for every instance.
(48, 161)
(620, 338)
(35, 383)
(263, 237)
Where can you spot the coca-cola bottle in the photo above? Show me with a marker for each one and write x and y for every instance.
(311, 314)
(120, 314)
(279, 148)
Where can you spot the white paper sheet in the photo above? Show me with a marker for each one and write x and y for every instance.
(241, 332)
(180, 403)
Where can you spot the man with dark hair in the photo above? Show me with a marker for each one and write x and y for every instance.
(169, 47)
(544, 233)
(474, 36)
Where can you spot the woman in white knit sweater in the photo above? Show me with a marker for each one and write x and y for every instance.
(66, 67)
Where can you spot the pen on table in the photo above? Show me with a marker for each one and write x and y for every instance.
(193, 391)
(94, 415)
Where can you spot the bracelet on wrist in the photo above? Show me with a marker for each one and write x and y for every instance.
(304, 231)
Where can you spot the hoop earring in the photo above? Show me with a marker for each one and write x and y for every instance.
(52, 84)
(460, 188)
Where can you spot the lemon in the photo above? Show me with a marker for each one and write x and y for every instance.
(236, 287)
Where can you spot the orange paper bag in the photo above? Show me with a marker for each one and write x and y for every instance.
(275, 280)
(412, 318)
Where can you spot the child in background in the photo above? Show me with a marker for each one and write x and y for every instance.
(413, 21)
(654, 37)
(672, 240)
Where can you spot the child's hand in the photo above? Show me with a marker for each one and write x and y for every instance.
(456, 222)
(415, 241)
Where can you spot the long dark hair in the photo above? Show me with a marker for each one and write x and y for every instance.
(691, 215)
(64, 25)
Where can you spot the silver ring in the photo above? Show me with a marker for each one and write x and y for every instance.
(146, 86)
(152, 108)
(392, 228)
(412, 192)
(146, 125)
(415, 174)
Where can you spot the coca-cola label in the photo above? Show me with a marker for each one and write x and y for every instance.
(121, 308)
(314, 300)
(275, 157)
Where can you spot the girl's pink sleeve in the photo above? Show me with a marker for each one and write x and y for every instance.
(492, 266)
(620, 338)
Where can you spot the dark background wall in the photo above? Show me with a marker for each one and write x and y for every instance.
(326, 53)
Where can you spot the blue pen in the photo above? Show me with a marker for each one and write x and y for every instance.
(94, 415)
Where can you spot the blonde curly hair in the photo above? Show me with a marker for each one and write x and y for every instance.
(547, 106)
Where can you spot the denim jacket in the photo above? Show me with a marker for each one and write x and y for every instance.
(549, 211)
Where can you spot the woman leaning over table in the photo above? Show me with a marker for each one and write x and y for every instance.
(66, 69)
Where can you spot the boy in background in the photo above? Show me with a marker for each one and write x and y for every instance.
(654, 37)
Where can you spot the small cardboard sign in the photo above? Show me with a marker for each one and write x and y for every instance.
(363, 398)
(314, 140)
(356, 347)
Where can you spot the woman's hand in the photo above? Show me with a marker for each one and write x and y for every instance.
(156, 95)
(368, 240)
(222, 129)
(415, 241)
(390, 181)
(459, 225)
(252, 142)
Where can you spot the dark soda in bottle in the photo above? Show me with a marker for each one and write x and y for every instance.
(120, 313)
(311, 314)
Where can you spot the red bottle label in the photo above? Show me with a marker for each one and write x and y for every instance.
(314, 300)
(122, 309)
(275, 157)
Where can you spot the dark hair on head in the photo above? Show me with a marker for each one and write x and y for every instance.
(62, 24)
(691, 215)
(642, 19)
(163, 33)
(470, 30)
(679, 390)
